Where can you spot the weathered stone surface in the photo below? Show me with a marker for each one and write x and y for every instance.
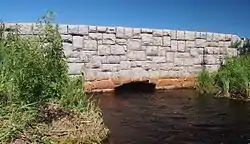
(200, 43)
(232, 51)
(165, 66)
(67, 38)
(170, 57)
(201, 35)
(166, 32)
(95, 36)
(73, 29)
(189, 35)
(85, 56)
(128, 33)
(111, 30)
(92, 29)
(221, 37)
(78, 41)
(83, 29)
(117, 50)
(136, 33)
(159, 59)
(180, 35)
(104, 50)
(120, 32)
(110, 67)
(182, 55)
(210, 59)
(173, 34)
(147, 31)
(174, 45)
(75, 68)
(134, 44)
(125, 65)
(228, 37)
(152, 50)
(136, 55)
(194, 52)
(181, 46)
(210, 36)
(162, 51)
(113, 59)
(90, 45)
(147, 39)
(111, 56)
(188, 61)
(190, 44)
(123, 58)
(178, 61)
(95, 61)
(157, 41)
(108, 38)
(90, 74)
(67, 47)
(221, 43)
(157, 33)
(212, 44)
(227, 43)
(101, 29)
(167, 41)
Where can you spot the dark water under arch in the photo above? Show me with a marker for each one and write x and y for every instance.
(174, 117)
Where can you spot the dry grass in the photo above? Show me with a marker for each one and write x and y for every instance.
(76, 127)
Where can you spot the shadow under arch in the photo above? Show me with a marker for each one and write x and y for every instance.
(136, 87)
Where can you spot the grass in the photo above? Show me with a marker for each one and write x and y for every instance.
(205, 82)
(39, 102)
(231, 80)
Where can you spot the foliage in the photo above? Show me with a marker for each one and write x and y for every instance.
(74, 97)
(14, 122)
(33, 69)
(232, 78)
(205, 82)
(33, 73)
(86, 127)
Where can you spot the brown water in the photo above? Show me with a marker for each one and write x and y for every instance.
(174, 117)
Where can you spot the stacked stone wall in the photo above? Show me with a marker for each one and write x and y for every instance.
(111, 56)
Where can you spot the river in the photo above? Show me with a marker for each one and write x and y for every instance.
(174, 117)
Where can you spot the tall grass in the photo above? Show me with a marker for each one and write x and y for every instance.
(205, 82)
(34, 74)
(232, 78)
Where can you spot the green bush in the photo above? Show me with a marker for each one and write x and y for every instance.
(205, 82)
(33, 69)
(232, 78)
(74, 96)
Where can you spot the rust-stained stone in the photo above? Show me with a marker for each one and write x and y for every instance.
(117, 81)
(103, 84)
(161, 83)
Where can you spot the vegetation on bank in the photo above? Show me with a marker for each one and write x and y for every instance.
(39, 102)
(231, 80)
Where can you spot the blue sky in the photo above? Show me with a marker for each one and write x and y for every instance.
(226, 16)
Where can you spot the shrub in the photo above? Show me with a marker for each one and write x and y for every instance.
(33, 68)
(232, 78)
(205, 82)
(74, 96)
(34, 73)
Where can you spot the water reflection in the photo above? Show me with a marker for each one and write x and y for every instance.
(174, 116)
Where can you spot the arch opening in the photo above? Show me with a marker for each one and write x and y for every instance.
(136, 87)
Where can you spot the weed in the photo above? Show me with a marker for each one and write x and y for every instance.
(34, 73)
(205, 82)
